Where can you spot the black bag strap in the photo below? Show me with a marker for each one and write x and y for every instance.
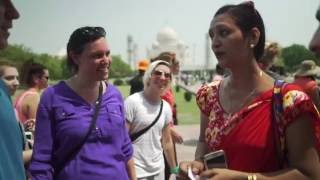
(277, 120)
(76, 150)
(135, 136)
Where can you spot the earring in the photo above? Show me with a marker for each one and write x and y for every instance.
(252, 46)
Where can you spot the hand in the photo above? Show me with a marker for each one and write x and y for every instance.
(29, 125)
(223, 174)
(196, 167)
(176, 137)
(172, 177)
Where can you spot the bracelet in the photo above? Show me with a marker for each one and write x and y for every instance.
(252, 177)
(175, 170)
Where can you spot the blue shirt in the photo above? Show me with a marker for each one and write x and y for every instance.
(63, 118)
(11, 139)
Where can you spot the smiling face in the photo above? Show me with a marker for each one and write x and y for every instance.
(228, 42)
(10, 76)
(95, 60)
(7, 13)
(160, 79)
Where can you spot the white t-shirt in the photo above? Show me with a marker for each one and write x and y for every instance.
(140, 113)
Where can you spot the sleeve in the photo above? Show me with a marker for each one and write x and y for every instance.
(127, 148)
(205, 95)
(296, 103)
(167, 112)
(41, 165)
(129, 110)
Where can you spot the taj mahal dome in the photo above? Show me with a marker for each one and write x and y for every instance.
(167, 39)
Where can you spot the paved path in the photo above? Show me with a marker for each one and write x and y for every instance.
(190, 134)
(190, 88)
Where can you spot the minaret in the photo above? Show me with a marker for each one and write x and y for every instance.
(207, 52)
(130, 50)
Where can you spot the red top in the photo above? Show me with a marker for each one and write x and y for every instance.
(247, 136)
(169, 97)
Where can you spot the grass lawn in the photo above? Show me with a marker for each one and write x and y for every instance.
(188, 112)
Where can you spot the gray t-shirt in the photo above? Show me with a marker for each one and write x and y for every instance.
(148, 156)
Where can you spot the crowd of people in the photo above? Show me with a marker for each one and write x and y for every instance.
(264, 127)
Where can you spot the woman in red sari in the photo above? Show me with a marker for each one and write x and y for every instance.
(236, 112)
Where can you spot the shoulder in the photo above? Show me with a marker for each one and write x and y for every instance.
(207, 90)
(113, 92)
(60, 86)
(207, 95)
(134, 97)
(296, 102)
(166, 105)
(51, 91)
(293, 93)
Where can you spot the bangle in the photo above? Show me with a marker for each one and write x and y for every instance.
(175, 170)
(252, 177)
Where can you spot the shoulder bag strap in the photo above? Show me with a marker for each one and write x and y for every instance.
(76, 150)
(135, 136)
(277, 120)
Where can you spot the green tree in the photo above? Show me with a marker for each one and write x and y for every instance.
(20, 54)
(66, 73)
(119, 69)
(294, 54)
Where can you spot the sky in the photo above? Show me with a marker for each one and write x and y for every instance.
(45, 25)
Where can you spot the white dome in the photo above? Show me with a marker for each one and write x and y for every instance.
(167, 35)
(155, 45)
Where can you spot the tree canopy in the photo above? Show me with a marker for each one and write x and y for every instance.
(293, 55)
(57, 66)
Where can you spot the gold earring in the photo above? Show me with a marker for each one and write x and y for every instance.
(252, 46)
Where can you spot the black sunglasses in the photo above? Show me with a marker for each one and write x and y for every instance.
(90, 31)
(160, 73)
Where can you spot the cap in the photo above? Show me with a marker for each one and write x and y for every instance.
(308, 68)
(143, 64)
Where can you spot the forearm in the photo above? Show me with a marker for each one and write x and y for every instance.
(27, 156)
(169, 154)
(131, 169)
(292, 174)
(201, 150)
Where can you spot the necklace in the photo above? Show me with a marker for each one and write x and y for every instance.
(236, 107)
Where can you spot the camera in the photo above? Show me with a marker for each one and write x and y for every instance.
(29, 135)
(216, 159)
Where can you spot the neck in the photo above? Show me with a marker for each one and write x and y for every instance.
(81, 83)
(246, 78)
(151, 97)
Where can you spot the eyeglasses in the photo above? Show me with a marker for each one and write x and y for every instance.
(161, 73)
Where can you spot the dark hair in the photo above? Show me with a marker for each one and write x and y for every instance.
(220, 70)
(4, 63)
(247, 17)
(78, 39)
(29, 70)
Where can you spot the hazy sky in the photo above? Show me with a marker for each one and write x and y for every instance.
(45, 25)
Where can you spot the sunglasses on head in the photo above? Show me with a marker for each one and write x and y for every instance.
(160, 73)
(92, 31)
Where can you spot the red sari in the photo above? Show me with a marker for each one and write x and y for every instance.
(247, 136)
